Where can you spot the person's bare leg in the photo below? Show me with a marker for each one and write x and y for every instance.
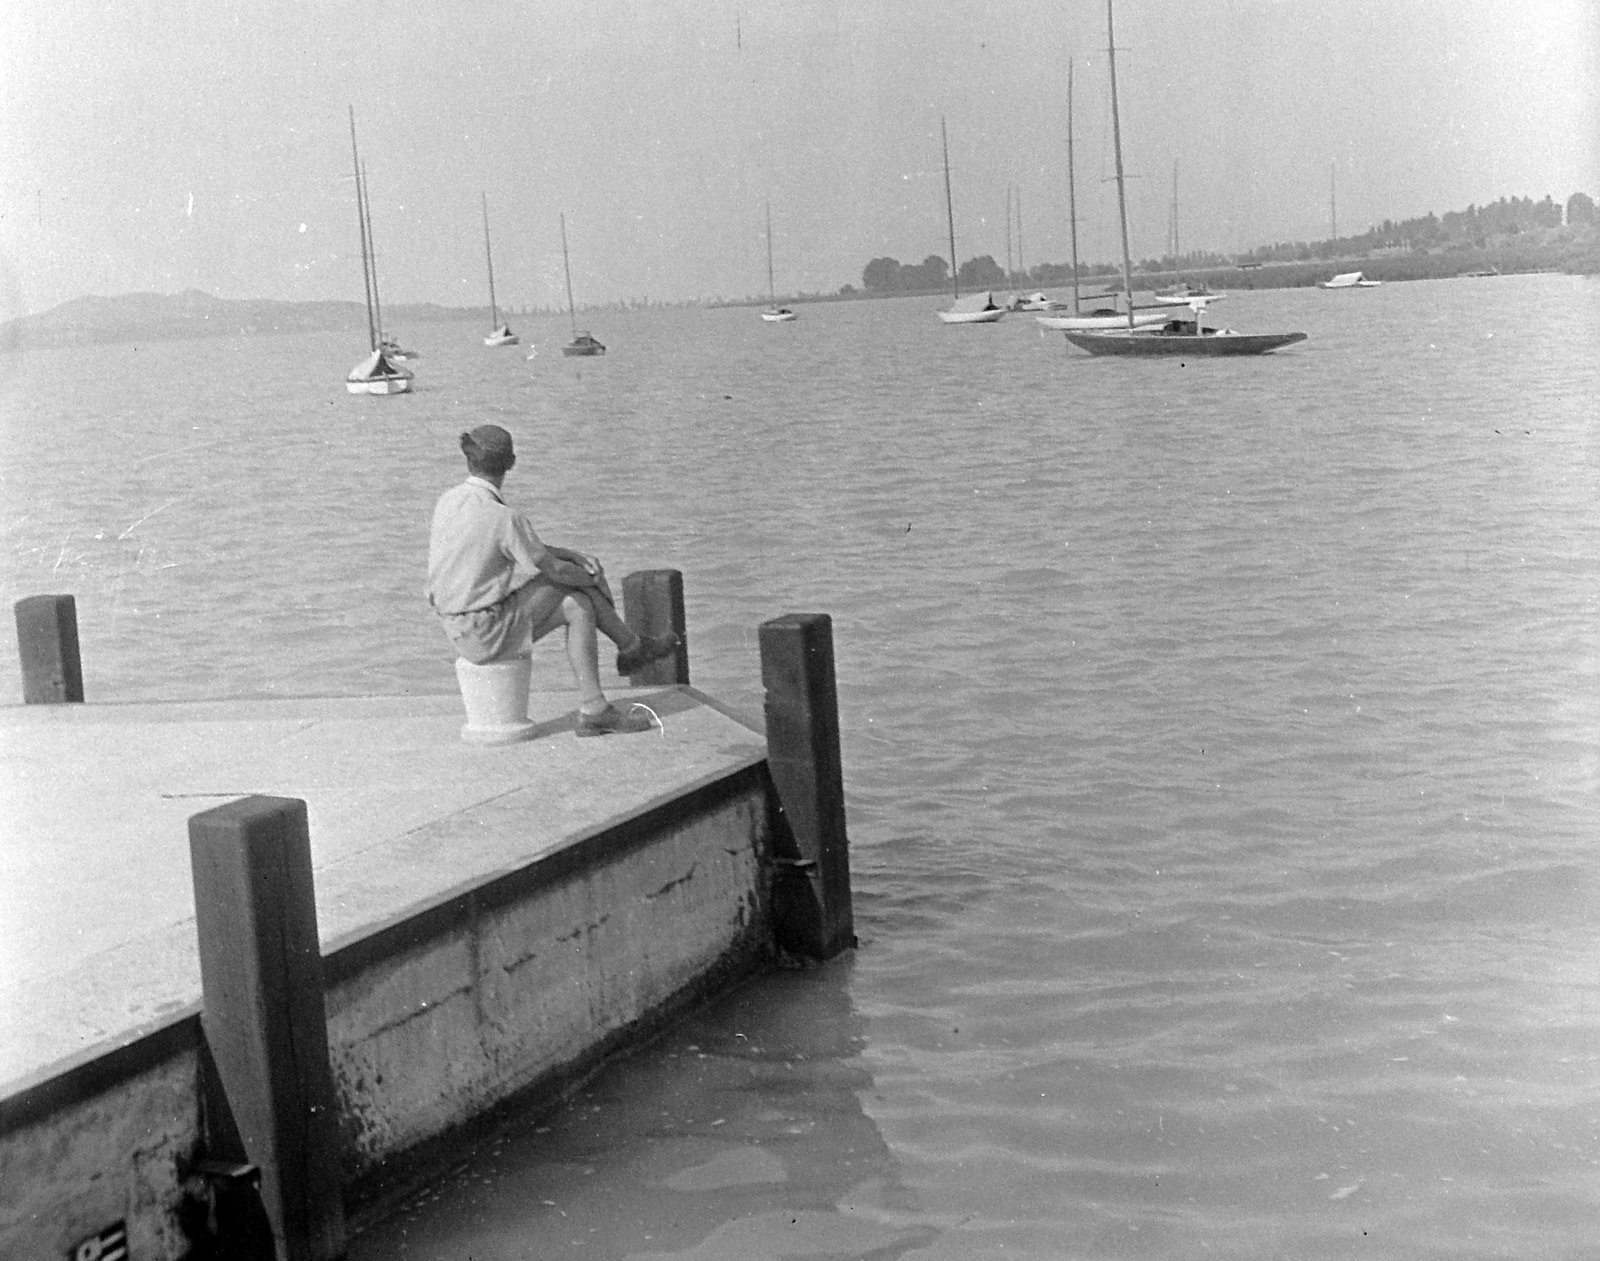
(609, 620)
(583, 651)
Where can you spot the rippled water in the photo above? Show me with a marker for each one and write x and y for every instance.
(1221, 743)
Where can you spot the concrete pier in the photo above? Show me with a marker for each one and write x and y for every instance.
(493, 922)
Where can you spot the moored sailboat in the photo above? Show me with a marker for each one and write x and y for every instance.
(500, 333)
(1180, 338)
(1174, 338)
(774, 314)
(1103, 316)
(583, 342)
(378, 372)
(1350, 280)
(977, 308)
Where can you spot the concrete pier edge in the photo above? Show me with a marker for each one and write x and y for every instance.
(588, 949)
(102, 1065)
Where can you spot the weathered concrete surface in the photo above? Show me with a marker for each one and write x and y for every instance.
(516, 991)
(492, 919)
(96, 915)
(110, 1157)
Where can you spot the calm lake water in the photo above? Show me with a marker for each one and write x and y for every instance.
(1221, 742)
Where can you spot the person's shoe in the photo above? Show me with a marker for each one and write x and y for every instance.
(612, 721)
(651, 648)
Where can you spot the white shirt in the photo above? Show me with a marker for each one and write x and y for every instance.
(480, 550)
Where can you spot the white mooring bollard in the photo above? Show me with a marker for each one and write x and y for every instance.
(496, 700)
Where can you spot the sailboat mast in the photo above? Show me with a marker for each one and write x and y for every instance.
(949, 210)
(1020, 267)
(1175, 251)
(572, 313)
(494, 310)
(1009, 272)
(361, 219)
(1333, 205)
(1072, 193)
(772, 293)
(1116, 141)
(372, 248)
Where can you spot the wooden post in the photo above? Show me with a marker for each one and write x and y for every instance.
(812, 894)
(652, 603)
(47, 641)
(261, 977)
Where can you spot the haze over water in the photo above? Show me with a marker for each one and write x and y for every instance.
(1220, 739)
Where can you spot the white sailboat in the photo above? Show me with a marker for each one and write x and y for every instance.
(583, 342)
(774, 314)
(500, 333)
(377, 373)
(976, 308)
(1350, 280)
(1101, 317)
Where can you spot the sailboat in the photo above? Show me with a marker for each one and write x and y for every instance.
(1100, 317)
(387, 342)
(774, 314)
(377, 373)
(979, 308)
(1176, 337)
(1350, 280)
(1180, 291)
(500, 333)
(582, 343)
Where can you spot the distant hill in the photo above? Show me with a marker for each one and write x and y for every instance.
(162, 317)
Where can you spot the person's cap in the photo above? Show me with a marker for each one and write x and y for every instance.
(492, 440)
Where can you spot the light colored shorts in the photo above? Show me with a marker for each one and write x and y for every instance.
(505, 629)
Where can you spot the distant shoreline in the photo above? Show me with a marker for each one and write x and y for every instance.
(1579, 256)
(171, 317)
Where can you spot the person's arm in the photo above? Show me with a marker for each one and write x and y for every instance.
(569, 568)
(528, 552)
(589, 563)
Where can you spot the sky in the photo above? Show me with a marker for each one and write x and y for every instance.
(163, 145)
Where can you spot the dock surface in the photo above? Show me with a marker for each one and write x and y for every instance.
(97, 937)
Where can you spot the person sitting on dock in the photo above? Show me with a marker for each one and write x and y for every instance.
(498, 589)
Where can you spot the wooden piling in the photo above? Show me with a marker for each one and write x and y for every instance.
(47, 641)
(811, 896)
(652, 603)
(263, 1016)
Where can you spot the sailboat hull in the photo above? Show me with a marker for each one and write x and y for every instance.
(1153, 345)
(501, 339)
(380, 385)
(972, 317)
(779, 317)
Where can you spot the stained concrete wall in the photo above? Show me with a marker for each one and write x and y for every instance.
(109, 1141)
(504, 991)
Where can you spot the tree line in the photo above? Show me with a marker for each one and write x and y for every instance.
(1472, 228)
